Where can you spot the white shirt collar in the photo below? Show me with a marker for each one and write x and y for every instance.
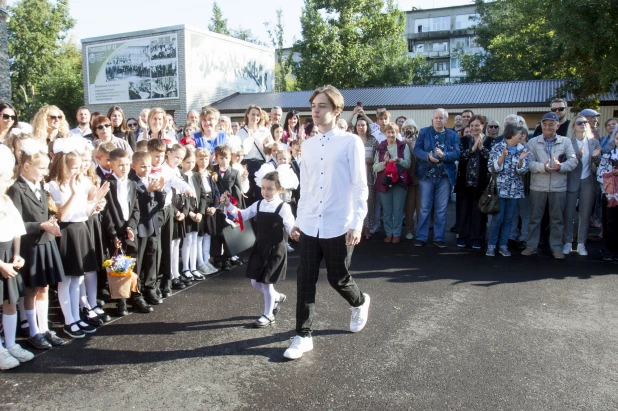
(32, 186)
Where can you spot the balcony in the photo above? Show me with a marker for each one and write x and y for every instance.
(431, 54)
(430, 35)
(438, 73)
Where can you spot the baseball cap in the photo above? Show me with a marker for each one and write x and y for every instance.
(589, 113)
(550, 116)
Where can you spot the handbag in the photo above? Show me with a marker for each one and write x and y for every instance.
(238, 241)
(489, 203)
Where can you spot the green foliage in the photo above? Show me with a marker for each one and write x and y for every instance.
(45, 69)
(218, 24)
(246, 35)
(283, 68)
(354, 44)
(548, 39)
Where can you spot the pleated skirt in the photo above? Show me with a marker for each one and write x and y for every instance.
(77, 249)
(43, 265)
(10, 288)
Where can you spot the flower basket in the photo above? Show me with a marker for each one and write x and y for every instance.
(120, 276)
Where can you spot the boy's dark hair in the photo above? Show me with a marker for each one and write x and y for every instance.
(119, 153)
(156, 145)
(141, 156)
(223, 150)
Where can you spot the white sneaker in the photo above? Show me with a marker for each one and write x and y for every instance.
(7, 361)
(212, 268)
(203, 269)
(568, 247)
(20, 354)
(409, 236)
(581, 249)
(290, 248)
(360, 315)
(299, 346)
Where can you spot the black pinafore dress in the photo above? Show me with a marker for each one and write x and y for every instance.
(268, 259)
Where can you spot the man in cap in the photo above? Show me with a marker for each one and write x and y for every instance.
(558, 107)
(551, 158)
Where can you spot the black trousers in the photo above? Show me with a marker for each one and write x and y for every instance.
(255, 193)
(609, 220)
(472, 223)
(337, 257)
(218, 249)
(164, 245)
(146, 266)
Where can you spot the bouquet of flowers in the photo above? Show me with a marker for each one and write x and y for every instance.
(120, 276)
(610, 181)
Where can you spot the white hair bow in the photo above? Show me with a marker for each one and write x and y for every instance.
(265, 169)
(287, 177)
(31, 146)
(7, 160)
(68, 145)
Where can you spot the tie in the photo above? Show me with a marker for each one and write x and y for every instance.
(37, 192)
(156, 170)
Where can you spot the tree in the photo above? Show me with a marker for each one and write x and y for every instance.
(64, 87)
(218, 24)
(283, 68)
(354, 44)
(37, 32)
(548, 39)
(246, 35)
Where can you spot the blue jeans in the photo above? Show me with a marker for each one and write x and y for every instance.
(501, 223)
(434, 193)
(393, 202)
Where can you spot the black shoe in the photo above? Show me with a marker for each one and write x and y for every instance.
(439, 244)
(166, 292)
(152, 298)
(121, 308)
(53, 339)
(73, 334)
(88, 329)
(607, 257)
(512, 243)
(157, 291)
(185, 279)
(419, 243)
(237, 261)
(178, 285)
(39, 342)
(105, 316)
(140, 305)
(226, 266)
(476, 244)
(521, 245)
(454, 229)
(197, 276)
(94, 321)
(24, 331)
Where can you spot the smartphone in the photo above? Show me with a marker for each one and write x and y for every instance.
(359, 103)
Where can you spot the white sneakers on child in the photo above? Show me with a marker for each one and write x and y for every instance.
(566, 250)
(299, 346)
(581, 249)
(360, 315)
(11, 357)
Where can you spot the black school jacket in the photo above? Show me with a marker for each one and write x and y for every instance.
(230, 182)
(199, 203)
(114, 224)
(33, 212)
(149, 205)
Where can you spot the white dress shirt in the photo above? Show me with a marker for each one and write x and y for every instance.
(585, 158)
(10, 221)
(266, 207)
(77, 132)
(172, 180)
(79, 207)
(36, 188)
(333, 185)
(244, 184)
(249, 143)
(122, 191)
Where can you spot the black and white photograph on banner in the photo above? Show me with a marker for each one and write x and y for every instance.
(139, 90)
(163, 48)
(166, 87)
(163, 68)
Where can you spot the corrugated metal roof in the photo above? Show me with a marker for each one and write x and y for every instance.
(498, 94)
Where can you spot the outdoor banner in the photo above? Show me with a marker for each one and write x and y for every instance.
(138, 69)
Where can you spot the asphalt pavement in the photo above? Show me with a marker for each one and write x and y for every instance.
(449, 329)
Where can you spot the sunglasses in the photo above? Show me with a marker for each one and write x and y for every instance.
(557, 109)
(132, 124)
(103, 126)
(56, 117)
(8, 116)
(493, 126)
(581, 123)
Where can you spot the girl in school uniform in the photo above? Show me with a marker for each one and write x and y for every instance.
(268, 258)
(92, 280)
(11, 284)
(206, 227)
(76, 246)
(195, 214)
(43, 266)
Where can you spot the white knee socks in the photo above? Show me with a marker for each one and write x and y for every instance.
(42, 308)
(68, 296)
(31, 316)
(270, 296)
(189, 252)
(10, 328)
(175, 256)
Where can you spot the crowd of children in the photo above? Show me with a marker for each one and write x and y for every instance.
(71, 203)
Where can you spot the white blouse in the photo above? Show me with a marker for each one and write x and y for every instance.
(10, 221)
(267, 207)
(79, 208)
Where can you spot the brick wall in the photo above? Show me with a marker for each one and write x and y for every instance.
(5, 83)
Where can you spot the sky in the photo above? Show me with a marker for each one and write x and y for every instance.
(115, 16)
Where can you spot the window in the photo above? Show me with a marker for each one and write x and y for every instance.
(473, 43)
(410, 46)
(464, 21)
(455, 63)
(432, 24)
(463, 43)
(420, 48)
(440, 46)
(440, 66)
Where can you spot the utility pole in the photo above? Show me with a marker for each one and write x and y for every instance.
(5, 81)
